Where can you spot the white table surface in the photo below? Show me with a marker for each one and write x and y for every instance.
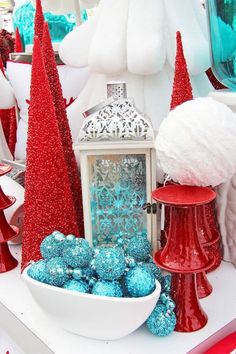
(36, 333)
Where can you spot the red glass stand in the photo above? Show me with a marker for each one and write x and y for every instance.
(183, 254)
(7, 232)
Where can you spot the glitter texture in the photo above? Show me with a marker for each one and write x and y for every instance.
(110, 263)
(52, 246)
(77, 255)
(107, 288)
(56, 272)
(38, 21)
(139, 248)
(182, 90)
(37, 271)
(166, 283)
(139, 281)
(18, 44)
(63, 125)
(154, 270)
(48, 199)
(76, 285)
(161, 322)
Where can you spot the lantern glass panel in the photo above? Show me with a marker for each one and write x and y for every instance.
(118, 191)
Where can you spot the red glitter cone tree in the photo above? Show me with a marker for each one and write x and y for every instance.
(48, 199)
(18, 43)
(39, 21)
(63, 125)
(182, 89)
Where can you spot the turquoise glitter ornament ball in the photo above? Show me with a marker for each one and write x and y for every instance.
(37, 271)
(166, 284)
(83, 273)
(76, 285)
(78, 255)
(110, 263)
(52, 246)
(107, 288)
(154, 270)
(166, 299)
(139, 248)
(161, 322)
(139, 281)
(56, 272)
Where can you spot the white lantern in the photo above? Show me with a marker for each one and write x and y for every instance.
(115, 149)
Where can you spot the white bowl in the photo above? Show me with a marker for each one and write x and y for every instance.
(93, 316)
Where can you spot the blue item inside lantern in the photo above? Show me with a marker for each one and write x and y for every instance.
(222, 28)
(117, 194)
(59, 25)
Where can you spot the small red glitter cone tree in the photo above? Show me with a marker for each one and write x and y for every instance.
(182, 89)
(48, 199)
(39, 21)
(18, 44)
(63, 125)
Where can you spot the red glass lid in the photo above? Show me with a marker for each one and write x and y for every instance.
(4, 169)
(183, 195)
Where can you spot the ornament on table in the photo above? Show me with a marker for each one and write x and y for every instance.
(71, 263)
(115, 152)
(221, 21)
(63, 125)
(148, 69)
(7, 232)
(48, 197)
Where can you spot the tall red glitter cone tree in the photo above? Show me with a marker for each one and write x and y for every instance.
(39, 21)
(48, 199)
(182, 89)
(63, 125)
(18, 44)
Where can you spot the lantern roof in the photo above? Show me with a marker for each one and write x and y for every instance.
(118, 120)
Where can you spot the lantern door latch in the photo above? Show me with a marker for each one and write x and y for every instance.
(150, 208)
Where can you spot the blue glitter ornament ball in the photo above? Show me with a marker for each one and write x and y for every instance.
(139, 281)
(83, 273)
(56, 272)
(78, 255)
(161, 322)
(154, 270)
(76, 285)
(107, 288)
(139, 248)
(37, 271)
(167, 301)
(110, 263)
(166, 284)
(52, 246)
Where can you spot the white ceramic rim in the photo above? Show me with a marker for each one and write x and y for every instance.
(28, 279)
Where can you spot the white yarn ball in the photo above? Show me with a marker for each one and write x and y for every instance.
(196, 143)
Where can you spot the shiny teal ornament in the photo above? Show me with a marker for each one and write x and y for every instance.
(37, 271)
(83, 273)
(130, 262)
(110, 263)
(161, 322)
(166, 284)
(154, 270)
(78, 255)
(139, 248)
(77, 285)
(56, 272)
(107, 288)
(139, 281)
(52, 246)
(166, 300)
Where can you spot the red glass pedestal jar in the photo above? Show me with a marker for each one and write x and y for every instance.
(183, 254)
